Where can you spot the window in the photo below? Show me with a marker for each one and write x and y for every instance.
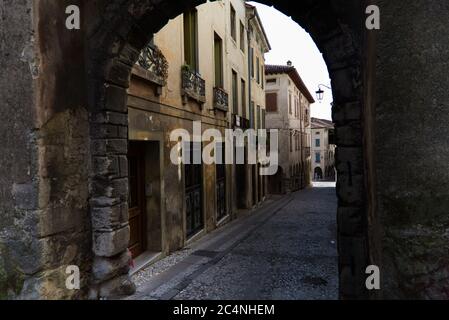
(243, 93)
(242, 37)
(290, 103)
(235, 97)
(218, 61)
(258, 69)
(291, 141)
(263, 119)
(291, 138)
(271, 81)
(317, 132)
(191, 39)
(262, 76)
(296, 108)
(259, 118)
(317, 143)
(272, 102)
(317, 157)
(233, 24)
(251, 115)
(252, 62)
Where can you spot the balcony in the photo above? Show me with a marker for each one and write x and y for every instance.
(193, 86)
(221, 99)
(155, 65)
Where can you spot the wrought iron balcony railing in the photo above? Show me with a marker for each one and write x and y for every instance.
(154, 62)
(193, 86)
(221, 99)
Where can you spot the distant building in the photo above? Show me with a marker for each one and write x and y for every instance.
(323, 150)
(288, 110)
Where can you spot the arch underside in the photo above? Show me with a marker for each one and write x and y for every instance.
(120, 31)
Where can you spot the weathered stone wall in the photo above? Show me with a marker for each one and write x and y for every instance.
(18, 156)
(45, 221)
(412, 148)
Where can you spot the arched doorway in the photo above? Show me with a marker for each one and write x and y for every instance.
(318, 173)
(123, 28)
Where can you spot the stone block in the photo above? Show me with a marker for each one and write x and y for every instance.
(107, 268)
(105, 218)
(105, 131)
(129, 55)
(123, 165)
(106, 166)
(115, 98)
(25, 196)
(119, 74)
(351, 111)
(60, 217)
(351, 189)
(108, 117)
(120, 188)
(116, 287)
(105, 186)
(102, 147)
(103, 202)
(111, 243)
(350, 221)
(353, 261)
(345, 85)
(349, 135)
(349, 160)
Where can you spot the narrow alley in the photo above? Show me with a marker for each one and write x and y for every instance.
(284, 250)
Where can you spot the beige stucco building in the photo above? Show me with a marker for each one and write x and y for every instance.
(197, 69)
(323, 149)
(288, 110)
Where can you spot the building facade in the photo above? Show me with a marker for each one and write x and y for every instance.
(323, 150)
(258, 46)
(288, 111)
(199, 70)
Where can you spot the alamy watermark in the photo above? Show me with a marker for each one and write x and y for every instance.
(373, 280)
(72, 281)
(235, 147)
(73, 21)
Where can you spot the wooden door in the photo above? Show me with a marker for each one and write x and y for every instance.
(136, 200)
(221, 183)
(194, 193)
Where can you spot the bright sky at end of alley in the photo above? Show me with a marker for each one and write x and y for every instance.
(289, 41)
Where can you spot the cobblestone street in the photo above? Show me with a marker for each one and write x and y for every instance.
(285, 250)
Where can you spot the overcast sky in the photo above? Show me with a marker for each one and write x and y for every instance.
(291, 42)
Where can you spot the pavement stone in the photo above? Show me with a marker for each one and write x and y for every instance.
(285, 250)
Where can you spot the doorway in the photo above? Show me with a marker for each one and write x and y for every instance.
(194, 194)
(144, 199)
(221, 184)
(136, 198)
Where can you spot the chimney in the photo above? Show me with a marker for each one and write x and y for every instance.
(289, 63)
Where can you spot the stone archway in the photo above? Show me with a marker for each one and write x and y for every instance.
(120, 29)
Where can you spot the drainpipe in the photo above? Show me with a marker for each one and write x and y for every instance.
(250, 65)
(250, 79)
